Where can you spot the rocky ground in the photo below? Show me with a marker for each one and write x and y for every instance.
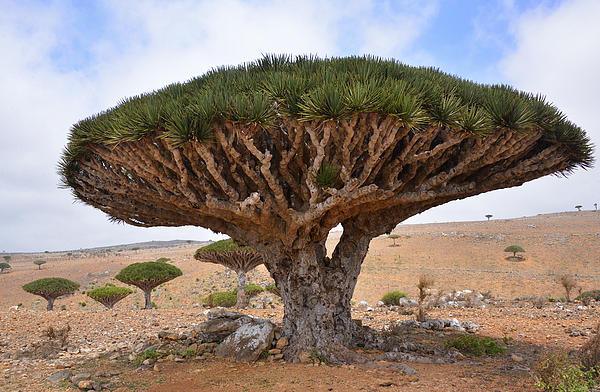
(106, 348)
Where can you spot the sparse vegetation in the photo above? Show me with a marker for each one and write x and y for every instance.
(488, 216)
(568, 283)
(147, 276)
(253, 290)
(6, 258)
(589, 354)
(59, 334)
(39, 263)
(556, 374)
(318, 357)
(514, 249)
(109, 295)
(424, 285)
(51, 288)
(4, 266)
(586, 296)
(148, 354)
(474, 345)
(163, 260)
(392, 297)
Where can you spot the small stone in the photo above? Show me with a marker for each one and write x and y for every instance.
(148, 361)
(80, 377)
(386, 383)
(413, 378)
(170, 357)
(516, 358)
(304, 357)
(73, 350)
(85, 384)
(156, 367)
(281, 343)
(274, 351)
(277, 357)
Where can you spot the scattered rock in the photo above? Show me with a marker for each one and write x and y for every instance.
(59, 376)
(516, 358)
(281, 343)
(304, 357)
(80, 377)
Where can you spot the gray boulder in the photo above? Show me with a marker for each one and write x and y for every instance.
(60, 375)
(220, 325)
(248, 341)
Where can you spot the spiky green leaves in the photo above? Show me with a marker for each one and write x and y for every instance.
(328, 175)
(51, 287)
(109, 295)
(227, 245)
(308, 88)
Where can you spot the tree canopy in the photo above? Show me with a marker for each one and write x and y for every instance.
(149, 272)
(4, 266)
(51, 287)
(109, 295)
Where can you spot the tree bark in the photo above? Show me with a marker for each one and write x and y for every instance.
(147, 296)
(241, 290)
(316, 291)
(50, 303)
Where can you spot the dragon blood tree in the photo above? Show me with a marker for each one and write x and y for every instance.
(277, 152)
(147, 276)
(109, 295)
(240, 259)
(51, 288)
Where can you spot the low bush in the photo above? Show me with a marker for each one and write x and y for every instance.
(392, 297)
(148, 354)
(586, 296)
(556, 374)
(226, 299)
(589, 355)
(253, 289)
(471, 344)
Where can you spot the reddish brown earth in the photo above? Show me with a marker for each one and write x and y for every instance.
(459, 256)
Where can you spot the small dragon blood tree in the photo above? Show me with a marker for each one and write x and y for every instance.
(147, 276)
(240, 259)
(277, 152)
(109, 295)
(51, 288)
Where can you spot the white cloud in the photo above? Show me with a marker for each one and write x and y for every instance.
(556, 54)
(54, 74)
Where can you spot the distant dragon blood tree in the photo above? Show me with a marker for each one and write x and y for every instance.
(277, 152)
(147, 276)
(51, 288)
(240, 259)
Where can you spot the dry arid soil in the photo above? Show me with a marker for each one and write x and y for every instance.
(466, 255)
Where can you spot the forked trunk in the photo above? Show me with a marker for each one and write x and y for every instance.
(241, 290)
(50, 303)
(316, 292)
(147, 296)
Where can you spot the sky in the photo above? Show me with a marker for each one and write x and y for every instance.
(65, 60)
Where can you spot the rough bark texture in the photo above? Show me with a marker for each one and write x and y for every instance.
(50, 303)
(260, 186)
(148, 299)
(242, 301)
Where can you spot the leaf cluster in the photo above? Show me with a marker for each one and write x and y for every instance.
(4, 266)
(51, 287)
(225, 299)
(514, 249)
(228, 245)
(148, 271)
(471, 344)
(108, 291)
(262, 92)
(392, 297)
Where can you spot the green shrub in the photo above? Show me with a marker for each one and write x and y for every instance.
(392, 297)
(82, 304)
(225, 299)
(148, 354)
(253, 289)
(470, 344)
(163, 260)
(556, 374)
(4, 266)
(586, 295)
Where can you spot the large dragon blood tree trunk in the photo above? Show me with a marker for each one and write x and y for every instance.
(278, 152)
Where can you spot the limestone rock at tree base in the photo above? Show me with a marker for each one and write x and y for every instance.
(217, 329)
(248, 341)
